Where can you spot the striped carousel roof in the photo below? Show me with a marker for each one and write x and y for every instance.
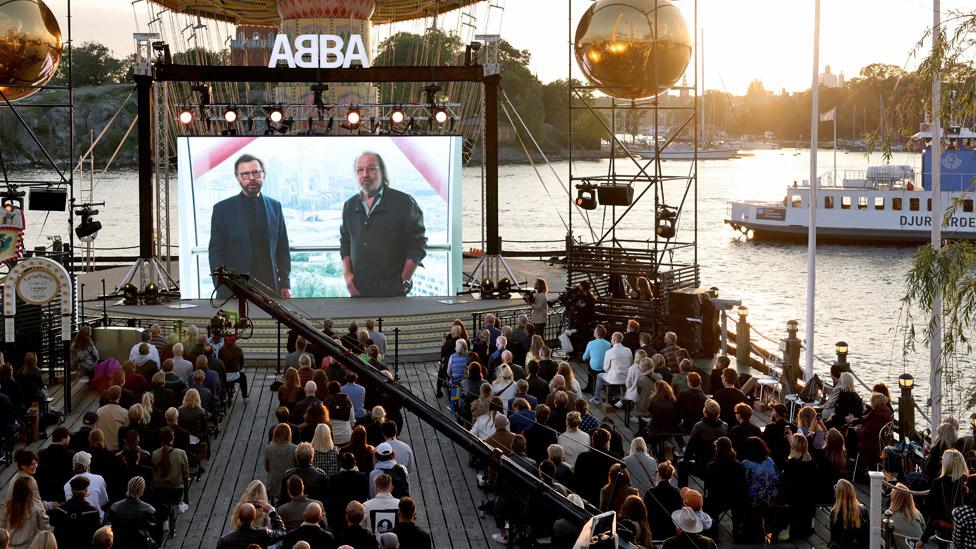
(270, 12)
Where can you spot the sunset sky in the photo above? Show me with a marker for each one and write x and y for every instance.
(767, 39)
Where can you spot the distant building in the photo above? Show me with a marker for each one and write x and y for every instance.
(251, 46)
(828, 79)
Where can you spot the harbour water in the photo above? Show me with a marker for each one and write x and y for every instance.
(858, 288)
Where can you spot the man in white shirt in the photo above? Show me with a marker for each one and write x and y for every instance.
(97, 490)
(402, 451)
(381, 510)
(153, 351)
(181, 366)
(615, 364)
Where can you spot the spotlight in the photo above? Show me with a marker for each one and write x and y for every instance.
(440, 115)
(487, 285)
(504, 288)
(88, 229)
(398, 116)
(231, 115)
(667, 217)
(151, 294)
(586, 197)
(353, 117)
(130, 294)
(275, 114)
(186, 115)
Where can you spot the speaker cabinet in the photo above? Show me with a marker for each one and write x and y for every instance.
(47, 200)
(622, 195)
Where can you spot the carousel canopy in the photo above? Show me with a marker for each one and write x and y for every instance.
(266, 12)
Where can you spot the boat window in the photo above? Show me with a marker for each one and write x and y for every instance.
(896, 204)
(928, 205)
(967, 205)
(845, 202)
(879, 203)
(829, 202)
(862, 202)
(797, 201)
(913, 204)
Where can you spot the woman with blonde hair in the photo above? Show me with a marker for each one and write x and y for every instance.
(812, 427)
(945, 494)
(946, 436)
(849, 525)
(798, 472)
(533, 354)
(45, 540)
(907, 520)
(290, 391)
(480, 405)
(663, 410)
(633, 373)
(279, 456)
(326, 457)
(253, 493)
(155, 417)
(23, 514)
(193, 417)
(504, 384)
(572, 383)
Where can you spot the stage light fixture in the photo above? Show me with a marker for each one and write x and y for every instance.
(231, 115)
(186, 115)
(88, 229)
(586, 197)
(275, 114)
(440, 115)
(667, 218)
(353, 117)
(504, 289)
(397, 116)
(150, 295)
(130, 294)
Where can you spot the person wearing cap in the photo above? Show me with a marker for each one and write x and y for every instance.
(386, 463)
(693, 498)
(76, 520)
(97, 489)
(688, 532)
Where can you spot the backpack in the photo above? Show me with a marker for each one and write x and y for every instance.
(401, 485)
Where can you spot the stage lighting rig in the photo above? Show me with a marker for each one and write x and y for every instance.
(130, 294)
(150, 296)
(353, 118)
(203, 91)
(440, 115)
(274, 113)
(586, 196)
(231, 115)
(162, 51)
(667, 217)
(397, 116)
(320, 105)
(88, 229)
(186, 115)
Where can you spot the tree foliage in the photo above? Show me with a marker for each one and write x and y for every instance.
(92, 65)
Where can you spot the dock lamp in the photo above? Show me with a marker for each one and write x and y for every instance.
(906, 407)
(841, 349)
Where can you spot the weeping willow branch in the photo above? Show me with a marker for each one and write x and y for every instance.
(951, 274)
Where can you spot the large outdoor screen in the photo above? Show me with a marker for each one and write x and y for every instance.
(322, 216)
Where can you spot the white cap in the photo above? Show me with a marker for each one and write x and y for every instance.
(687, 520)
(384, 449)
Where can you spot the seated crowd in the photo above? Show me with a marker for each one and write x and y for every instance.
(337, 474)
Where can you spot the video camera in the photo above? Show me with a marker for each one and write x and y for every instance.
(224, 324)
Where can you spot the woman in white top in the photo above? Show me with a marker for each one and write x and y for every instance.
(907, 521)
(573, 441)
(633, 373)
(642, 467)
(572, 383)
(540, 306)
(484, 425)
(537, 344)
(504, 385)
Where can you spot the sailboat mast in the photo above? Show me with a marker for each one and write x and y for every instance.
(702, 88)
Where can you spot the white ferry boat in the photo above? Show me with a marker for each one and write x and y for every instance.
(884, 204)
(685, 151)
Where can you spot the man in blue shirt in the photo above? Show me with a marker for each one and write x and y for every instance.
(357, 394)
(594, 353)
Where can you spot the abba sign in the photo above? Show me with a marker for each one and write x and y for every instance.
(319, 51)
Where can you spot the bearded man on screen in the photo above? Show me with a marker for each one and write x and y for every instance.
(382, 238)
(248, 233)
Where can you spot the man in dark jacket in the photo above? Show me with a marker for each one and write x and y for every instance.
(538, 387)
(382, 237)
(728, 396)
(248, 534)
(745, 428)
(632, 337)
(54, 467)
(314, 479)
(79, 439)
(690, 403)
(133, 520)
(539, 436)
(407, 531)
(76, 520)
(775, 434)
(701, 444)
(348, 485)
(354, 534)
(661, 501)
(592, 467)
(310, 530)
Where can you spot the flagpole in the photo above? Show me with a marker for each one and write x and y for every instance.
(835, 145)
(812, 202)
(935, 349)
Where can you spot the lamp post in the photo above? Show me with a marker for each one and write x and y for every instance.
(906, 407)
(743, 344)
(841, 349)
(791, 357)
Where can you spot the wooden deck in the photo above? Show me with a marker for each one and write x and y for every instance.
(441, 482)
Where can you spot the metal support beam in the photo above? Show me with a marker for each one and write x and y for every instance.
(144, 85)
(206, 73)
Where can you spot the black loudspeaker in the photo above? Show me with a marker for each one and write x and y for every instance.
(47, 200)
(622, 195)
(686, 317)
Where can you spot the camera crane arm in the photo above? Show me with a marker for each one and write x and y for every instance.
(248, 292)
